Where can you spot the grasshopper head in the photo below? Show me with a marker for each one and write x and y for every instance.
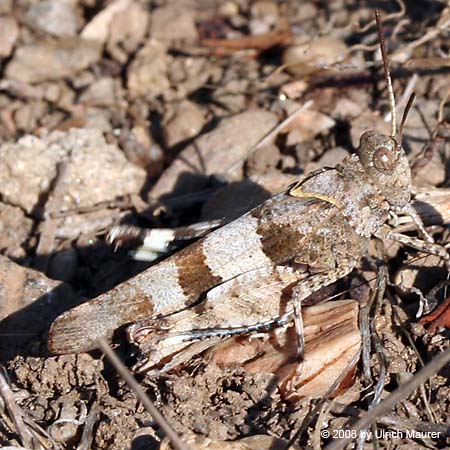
(387, 166)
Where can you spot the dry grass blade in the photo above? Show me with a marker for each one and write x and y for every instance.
(15, 411)
(143, 397)
(86, 438)
(49, 226)
(433, 367)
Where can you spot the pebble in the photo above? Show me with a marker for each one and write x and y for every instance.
(130, 27)
(185, 122)
(212, 153)
(9, 32)
(173, 22)
(28, 167)
(147, 74)
(15, 228)
(29, 301)
(56, 17)
(55, 60)
(308, 56)
(101, 92)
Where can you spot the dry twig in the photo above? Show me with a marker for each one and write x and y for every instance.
(433, 367)
(143, 397)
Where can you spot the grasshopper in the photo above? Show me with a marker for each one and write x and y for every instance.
(253, 273)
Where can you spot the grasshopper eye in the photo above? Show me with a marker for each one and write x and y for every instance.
(384, 159)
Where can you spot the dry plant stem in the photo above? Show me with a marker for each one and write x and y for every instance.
(266, 139)
(143, 397)
(321, 418)
(14, 411)
(392, 16)
(442, 104)
(88, 430)
(48, 227)
(402, 392)
(40, 434)
(432, 33)
(407, 334)
(259, 42)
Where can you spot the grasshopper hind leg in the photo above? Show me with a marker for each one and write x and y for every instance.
(166, 348)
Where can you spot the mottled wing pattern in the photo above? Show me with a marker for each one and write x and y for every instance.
(273, 233)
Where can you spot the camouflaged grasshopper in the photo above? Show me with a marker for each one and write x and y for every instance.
(253, 273)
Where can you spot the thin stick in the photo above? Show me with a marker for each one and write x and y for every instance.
(88, 431)
(387, 74)
(14, 411)
(48, 226)
(405, 115)
(142, 396)
(401, 393)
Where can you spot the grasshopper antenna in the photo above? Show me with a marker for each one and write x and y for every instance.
(387, 74)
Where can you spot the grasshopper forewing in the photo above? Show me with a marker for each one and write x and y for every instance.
(241, 276)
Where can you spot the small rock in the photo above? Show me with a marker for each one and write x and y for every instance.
(34, 63)
(141, 150)
(346, 108)
(9, 32)
(28, 167)
(96, 118)
(28, 115)
(15, 230)
(264, 14)
(308, 56)
(274, 182)
(6, 6)
(130, 27)
(333, 157)
(294, 89)
(173, 22)
(306, 11)
(29, 302)
(98, 28)
(67, 424)
(189, 74)
(368, 120)
(56, 17)
(228, 9)
(214, 152)
(232, 95)
(147, 74)
(432, 173)
(330, 158)
(101, 92)
(263, 160)
(185, 122)
(306, 125)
